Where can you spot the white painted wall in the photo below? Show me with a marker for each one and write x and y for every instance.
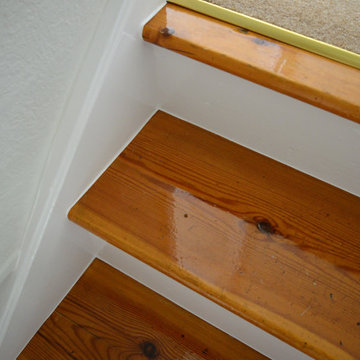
(56, 252)
(42, 46)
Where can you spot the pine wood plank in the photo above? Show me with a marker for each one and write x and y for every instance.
(107, 315)
(274, 245)
(314, 79)
(60, 338)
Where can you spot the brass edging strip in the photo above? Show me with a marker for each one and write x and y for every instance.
(272, 31)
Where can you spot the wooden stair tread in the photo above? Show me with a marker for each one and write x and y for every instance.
(314, 79)
(273, 245)
(107, 315)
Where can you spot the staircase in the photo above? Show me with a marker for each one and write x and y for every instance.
(272, 245)
(267, 242)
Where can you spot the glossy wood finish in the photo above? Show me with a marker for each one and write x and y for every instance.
(107, 315)
(269, 243)
(306, 76)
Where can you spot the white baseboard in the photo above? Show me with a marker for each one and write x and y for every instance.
(8, 265)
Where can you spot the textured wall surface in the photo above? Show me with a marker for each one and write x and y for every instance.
(42, 45)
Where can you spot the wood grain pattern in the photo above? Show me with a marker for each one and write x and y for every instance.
(107, 315)
(269, 243)
(316, 80)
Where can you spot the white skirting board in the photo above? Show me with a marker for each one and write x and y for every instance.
(8, 265)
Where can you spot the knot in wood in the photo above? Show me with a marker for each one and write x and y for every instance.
(149, 350)
(265, 227)
(166, 31)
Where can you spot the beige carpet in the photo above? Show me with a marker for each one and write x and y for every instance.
(335, 22)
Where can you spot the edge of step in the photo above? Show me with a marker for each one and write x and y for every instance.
(306, 76)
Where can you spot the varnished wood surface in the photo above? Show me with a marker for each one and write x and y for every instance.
(107, 315)
(306, 76)
(274, 245)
